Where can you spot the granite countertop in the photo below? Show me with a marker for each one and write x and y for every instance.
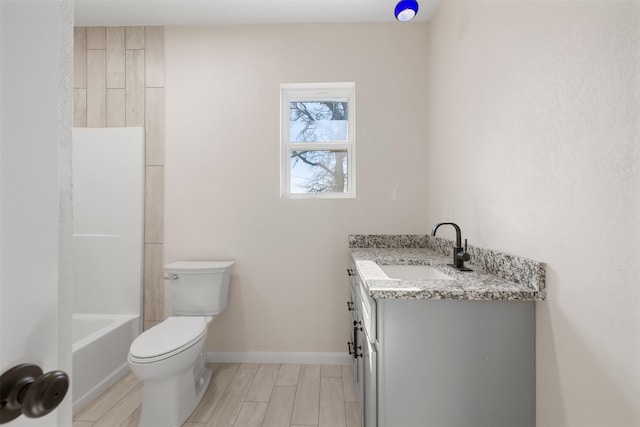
(496, 276)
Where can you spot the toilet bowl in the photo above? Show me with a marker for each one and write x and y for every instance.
(170, 360)
(170, 357)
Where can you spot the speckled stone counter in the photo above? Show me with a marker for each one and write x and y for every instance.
(496, 276)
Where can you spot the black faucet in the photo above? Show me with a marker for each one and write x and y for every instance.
(460, 254)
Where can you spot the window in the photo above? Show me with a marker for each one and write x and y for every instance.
(317, 140)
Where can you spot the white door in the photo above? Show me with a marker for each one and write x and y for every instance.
(36, 53)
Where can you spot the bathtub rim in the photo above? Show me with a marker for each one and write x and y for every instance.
(118, 320)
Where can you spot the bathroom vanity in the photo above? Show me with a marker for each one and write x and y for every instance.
(433, 346)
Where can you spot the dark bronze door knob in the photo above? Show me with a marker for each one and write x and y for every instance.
(24, 389)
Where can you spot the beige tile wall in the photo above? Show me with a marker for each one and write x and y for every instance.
(118, 82)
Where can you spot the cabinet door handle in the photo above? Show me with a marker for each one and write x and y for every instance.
(354, 352)
(355, 341)
(350, 306)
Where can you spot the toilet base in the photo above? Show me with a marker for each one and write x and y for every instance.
(169, 402)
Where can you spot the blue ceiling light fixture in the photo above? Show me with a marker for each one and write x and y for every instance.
(406, 10)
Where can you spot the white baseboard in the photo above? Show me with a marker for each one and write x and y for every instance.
(274, 357)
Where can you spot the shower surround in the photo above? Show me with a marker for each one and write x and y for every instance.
(108, 189)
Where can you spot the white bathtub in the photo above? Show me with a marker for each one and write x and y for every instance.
(100, 346)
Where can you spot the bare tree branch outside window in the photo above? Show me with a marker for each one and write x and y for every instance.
(319, 121)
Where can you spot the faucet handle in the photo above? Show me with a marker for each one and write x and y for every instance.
(463, 255)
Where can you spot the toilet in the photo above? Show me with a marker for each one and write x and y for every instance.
(170, 357)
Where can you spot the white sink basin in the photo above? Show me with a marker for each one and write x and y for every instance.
(414, 272)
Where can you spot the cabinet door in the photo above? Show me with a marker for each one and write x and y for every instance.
(360, 393)
(355, 345)
(370, 375)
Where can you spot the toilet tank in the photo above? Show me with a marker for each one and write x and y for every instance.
(198, 288)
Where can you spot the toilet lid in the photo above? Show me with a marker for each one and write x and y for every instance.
(169, 336)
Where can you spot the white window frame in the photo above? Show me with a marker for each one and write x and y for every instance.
(320, 91)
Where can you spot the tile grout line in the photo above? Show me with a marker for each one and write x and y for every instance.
(294, 401)
(244, 397)
(319, 395)
(226, 387)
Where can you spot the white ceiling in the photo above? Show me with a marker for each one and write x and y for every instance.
(230, 12)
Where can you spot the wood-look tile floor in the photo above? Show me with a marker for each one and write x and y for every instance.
(245, 395)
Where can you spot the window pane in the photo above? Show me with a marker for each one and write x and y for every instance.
(319, 172)
(320, 121)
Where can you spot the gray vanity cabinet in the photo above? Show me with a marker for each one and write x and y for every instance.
(445, 363)
(455, 363)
